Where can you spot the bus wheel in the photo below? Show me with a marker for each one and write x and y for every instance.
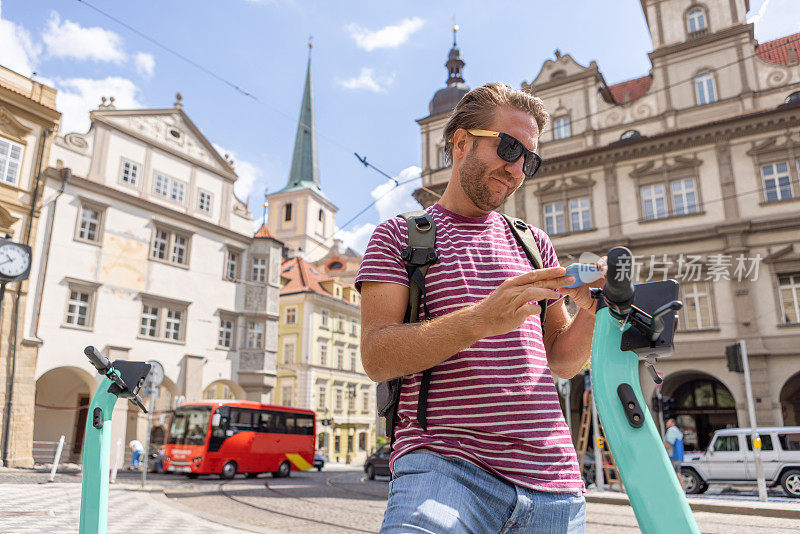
(285, 470)
(228, 470)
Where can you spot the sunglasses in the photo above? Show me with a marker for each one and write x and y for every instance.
(510, 149)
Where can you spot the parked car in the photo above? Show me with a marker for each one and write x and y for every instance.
(377, 463)
(730, 460)
(319, 461)
(588, 470)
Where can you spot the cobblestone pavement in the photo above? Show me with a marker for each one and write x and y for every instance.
(338, 499)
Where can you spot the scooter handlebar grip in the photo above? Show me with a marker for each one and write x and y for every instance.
(100, 362)
(618, 289)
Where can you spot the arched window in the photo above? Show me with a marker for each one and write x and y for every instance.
(321, 216)
(696, 22)
(793, 98)
(630, 134)
(705, 89)
(287, 212)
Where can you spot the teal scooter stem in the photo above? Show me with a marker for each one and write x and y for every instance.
(633, 322)
(123, 379)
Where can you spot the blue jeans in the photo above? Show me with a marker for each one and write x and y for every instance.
(433, 494)
(135, 458)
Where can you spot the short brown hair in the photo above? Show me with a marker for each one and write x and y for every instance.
(476, 110)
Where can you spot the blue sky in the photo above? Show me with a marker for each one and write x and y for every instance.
(376, 66)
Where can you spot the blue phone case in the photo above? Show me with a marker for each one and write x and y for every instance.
(583, 273)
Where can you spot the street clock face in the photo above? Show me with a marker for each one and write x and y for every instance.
(156, 374)
(14, 260)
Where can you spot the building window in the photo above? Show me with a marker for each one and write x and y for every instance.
(351, 398)
(362, 441)
(696, 21)
(90, 219)
(258, 270)
(255, 334)
(10, 161)
(231, 264)
(684, 196)
(777, 182)
(322, 393)
(554, 218)
(340, 357)
(654, 201)
(226, 329)
(444, 161)
(365, 407)
(354, 327)
(291, 315)
(288, 353)
(561, 128)
(339, 318)
(339, 400)
(696, 314)
(325, 316)
(705, 89)
(170, 246)
(580, 215)
(789, 288)
(204, 200)
(323, 354)
(287, 212)
(80, 305)
(129, 174)
(163, 321)
(353, 362)
(286, 395)
(169, 188)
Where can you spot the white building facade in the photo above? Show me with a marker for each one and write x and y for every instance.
(147, 254)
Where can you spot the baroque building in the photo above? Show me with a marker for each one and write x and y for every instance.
(693, 166)
(28, 122)
(147, 254)
(319, 360)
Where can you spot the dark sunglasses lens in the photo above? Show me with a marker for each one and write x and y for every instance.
(510, 149)
(531, 165)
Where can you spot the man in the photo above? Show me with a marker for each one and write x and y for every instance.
(497, 453)
(674, 444)
(137, 449)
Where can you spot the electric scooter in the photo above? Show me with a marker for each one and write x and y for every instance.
(636, 322)
(123, 380)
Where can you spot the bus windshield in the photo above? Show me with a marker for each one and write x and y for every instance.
(189, 425)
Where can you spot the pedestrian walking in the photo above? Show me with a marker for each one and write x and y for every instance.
(137, 449)
(674, 443)
(493, 440)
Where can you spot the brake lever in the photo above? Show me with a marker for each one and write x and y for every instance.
(657, 323)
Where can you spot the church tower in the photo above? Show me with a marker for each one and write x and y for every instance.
(300, 214)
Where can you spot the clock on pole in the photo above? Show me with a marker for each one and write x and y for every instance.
(15, 261)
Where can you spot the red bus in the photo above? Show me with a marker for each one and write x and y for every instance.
(229, 437)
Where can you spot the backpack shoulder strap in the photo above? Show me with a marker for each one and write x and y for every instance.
(524, 236)
(418, 256)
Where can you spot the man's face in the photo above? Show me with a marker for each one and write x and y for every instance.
(485, 178)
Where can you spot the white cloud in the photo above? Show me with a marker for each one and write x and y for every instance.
(398, 199)
(387, 37)
(248, 173)
(77, 96)
(775, 18)
(358, 238)
(366, 79)
(71, 40)
(145, 64)
(18, 51)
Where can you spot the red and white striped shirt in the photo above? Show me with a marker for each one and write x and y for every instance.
(494, 404)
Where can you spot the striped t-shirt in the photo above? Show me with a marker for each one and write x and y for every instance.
(494, 404)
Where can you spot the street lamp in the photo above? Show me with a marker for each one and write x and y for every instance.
(351, 392)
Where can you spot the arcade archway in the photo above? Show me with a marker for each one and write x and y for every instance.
(790, 401)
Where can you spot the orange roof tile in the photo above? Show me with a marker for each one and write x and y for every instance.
(264, 232)
(777, 51)
(634, 89)
(302, 276)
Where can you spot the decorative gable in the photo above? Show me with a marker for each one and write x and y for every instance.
(562, 67)
(10, 126)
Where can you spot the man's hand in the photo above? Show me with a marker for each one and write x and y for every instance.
(507, 307)
(582, 295)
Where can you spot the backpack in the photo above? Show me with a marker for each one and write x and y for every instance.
(418, 256)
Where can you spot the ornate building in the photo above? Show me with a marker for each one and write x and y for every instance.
(319, 360)
(28, 122)
(695, 167)
(147, 254)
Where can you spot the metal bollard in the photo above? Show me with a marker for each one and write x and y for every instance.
(56, 459)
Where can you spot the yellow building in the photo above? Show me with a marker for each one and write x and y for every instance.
(319, 363)
(28, 123)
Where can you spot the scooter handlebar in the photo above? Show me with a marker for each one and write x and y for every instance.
(618, 290)
(100, 362)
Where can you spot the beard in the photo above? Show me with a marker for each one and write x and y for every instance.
(473, 177)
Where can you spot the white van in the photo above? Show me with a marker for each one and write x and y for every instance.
(729, 460)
